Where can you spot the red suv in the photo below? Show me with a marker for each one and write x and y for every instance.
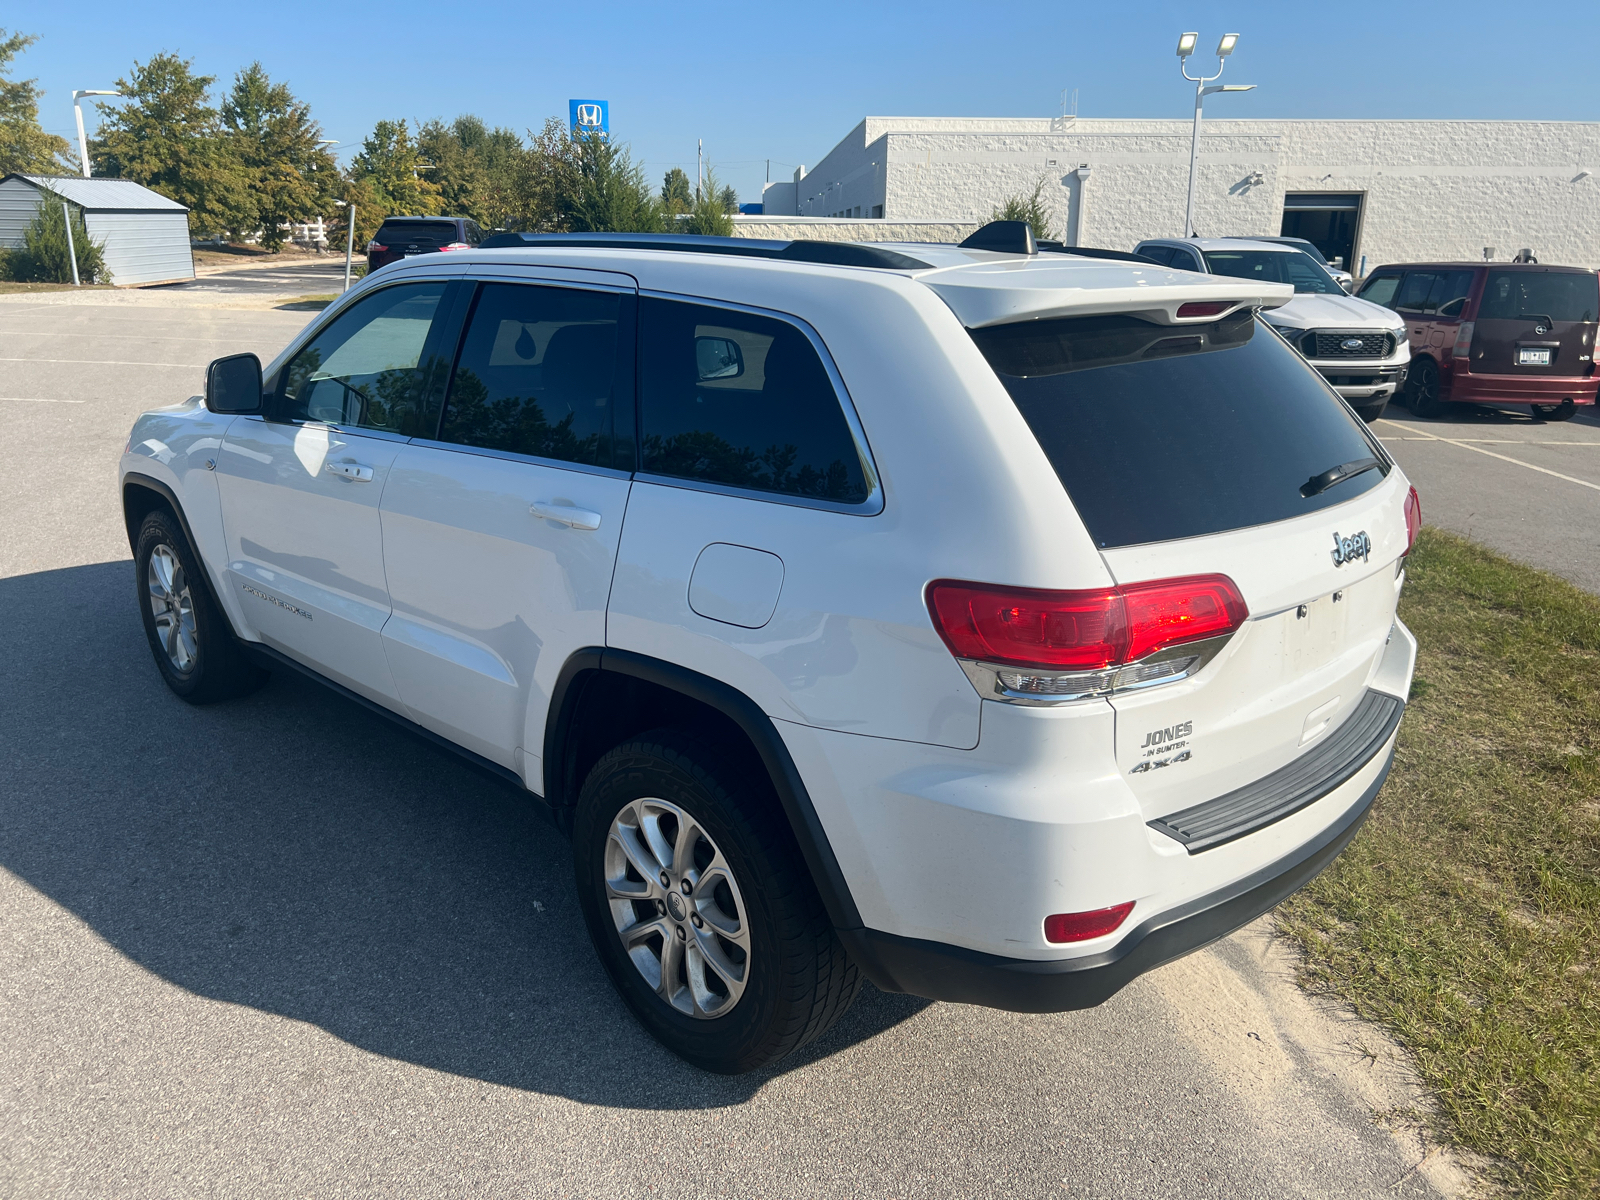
(401, 237)
(1495, 333)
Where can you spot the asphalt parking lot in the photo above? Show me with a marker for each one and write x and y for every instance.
(276, 947)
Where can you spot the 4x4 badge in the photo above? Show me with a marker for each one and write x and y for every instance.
(1357, 545)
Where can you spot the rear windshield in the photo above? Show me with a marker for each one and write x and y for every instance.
(432, 233)
(1275, 266)
(1159, 432)
(1559, 295)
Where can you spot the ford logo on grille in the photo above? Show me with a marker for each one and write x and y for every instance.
(1351, 344)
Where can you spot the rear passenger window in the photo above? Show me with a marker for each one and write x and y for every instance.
(1449, 294)
(732, 398)
(1162, 254)
(1414, 292)
(538, 373)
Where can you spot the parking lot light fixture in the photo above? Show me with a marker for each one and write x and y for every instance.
(77, 107)
(1203, 88)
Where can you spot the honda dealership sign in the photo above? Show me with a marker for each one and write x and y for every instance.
(587, 118)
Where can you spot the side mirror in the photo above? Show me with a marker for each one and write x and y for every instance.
(233, 384)
(718, 358)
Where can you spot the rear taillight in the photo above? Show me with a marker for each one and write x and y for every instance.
(1080, 643)
(456, 246)
(1413, 518)
(1205, 308)
(1463, 346)
(1080, 927)
(375, 248)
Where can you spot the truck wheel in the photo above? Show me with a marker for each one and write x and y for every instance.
(194, 647)
(1371, 412)
(1422, 389)
(700, 906)
(1555, 412)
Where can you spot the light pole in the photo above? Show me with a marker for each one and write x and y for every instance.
(350, 241)
(1201, 91)
(77, 107)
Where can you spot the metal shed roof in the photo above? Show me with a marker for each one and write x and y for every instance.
(104, 195)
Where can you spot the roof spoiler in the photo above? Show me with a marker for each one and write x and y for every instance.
(1003, 237)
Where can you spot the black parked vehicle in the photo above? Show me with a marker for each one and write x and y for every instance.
(401, 237)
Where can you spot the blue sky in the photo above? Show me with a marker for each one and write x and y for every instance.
(787, 81)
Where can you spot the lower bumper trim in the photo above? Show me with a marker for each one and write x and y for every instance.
(939, 971)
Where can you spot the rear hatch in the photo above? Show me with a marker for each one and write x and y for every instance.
(1216, 450)
(1536, 321)
(416, 237)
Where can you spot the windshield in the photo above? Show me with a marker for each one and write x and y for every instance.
(1160, 432)
(1275, 266)
(1558, 295)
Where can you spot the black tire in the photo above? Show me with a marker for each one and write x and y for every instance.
(1564, 411)
(1371, 412)
(1422, 389)
(206, 664)
(798, 979)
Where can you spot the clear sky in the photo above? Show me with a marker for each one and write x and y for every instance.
(787, 81)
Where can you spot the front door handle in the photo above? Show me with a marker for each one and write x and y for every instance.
(354, 472)
(566, 514)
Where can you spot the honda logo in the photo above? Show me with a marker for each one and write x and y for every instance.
(589, 114)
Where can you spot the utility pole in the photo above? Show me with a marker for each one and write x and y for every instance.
(699, 167)
(1201, 91)
(72, 253)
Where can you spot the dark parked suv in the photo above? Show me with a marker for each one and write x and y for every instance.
(1495, 333)
(401, 237)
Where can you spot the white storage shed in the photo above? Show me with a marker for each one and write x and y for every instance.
(146, 235)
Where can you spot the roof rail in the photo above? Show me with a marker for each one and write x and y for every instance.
(1091, 252)
(834, 254)
(1003, 237)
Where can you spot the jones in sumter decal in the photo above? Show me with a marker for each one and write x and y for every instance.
(1164, 747)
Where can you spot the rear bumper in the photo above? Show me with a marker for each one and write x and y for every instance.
(943, 972)
(1471, 388)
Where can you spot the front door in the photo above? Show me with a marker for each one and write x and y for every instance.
(300, 486)
(500, 535)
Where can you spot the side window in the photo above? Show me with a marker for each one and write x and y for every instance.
(1162, 254)
(1380, 289)
(538, 373)
(370, 368)
(737, 399)
(1449, 294)
(1414, 292)
(474, 233)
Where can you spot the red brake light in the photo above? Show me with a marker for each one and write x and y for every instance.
(375, 248)
(1413, 518)
(456, 246)
(1204, 308)
(1080, 927)
(1081, 630)
(1463, 346)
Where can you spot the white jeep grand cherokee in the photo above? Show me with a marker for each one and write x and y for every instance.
(993, 626)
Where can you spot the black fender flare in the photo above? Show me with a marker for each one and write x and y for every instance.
(751, 720)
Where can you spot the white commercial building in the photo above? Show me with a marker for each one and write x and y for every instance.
(1383, 191)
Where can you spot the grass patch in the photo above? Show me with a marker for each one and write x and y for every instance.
(1466, 916)
(7, 287)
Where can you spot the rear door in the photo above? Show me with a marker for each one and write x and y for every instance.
(1194, 452)
(1536, 321)
(500, 532)
(300, 486)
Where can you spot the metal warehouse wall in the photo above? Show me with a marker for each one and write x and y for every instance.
(1431, 189)
(143, 247)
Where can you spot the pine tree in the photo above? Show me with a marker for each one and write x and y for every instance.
(730, 200)
(167, 137)
(275, 142)
(24, 145)
(676, 195)
(710, 214)
(607, 190)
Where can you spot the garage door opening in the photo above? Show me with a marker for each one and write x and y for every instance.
(1330, 221)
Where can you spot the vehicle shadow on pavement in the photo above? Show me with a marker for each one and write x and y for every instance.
(297, 854)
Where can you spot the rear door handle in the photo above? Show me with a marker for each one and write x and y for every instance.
(354, 472)
(566, 514)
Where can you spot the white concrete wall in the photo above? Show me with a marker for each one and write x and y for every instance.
(1434, 189)
(788, 228)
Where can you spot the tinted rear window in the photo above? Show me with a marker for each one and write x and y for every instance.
(432, 233)
(1159, 432)
(1559, 295)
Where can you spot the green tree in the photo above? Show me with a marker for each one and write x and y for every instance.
(676, 195)
(710, 214)
(1030, 208)
(394, 175)
(454, 169)
(43, 256)
(606, 191)
(275, 142)
(24, 145)
(730, 200)
(167, 137)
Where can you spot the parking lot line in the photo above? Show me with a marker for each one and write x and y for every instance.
(108, 362)
(40, 400)
(1419, 436)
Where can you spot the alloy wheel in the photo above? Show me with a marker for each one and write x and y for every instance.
(677, 908)
(172, 605)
